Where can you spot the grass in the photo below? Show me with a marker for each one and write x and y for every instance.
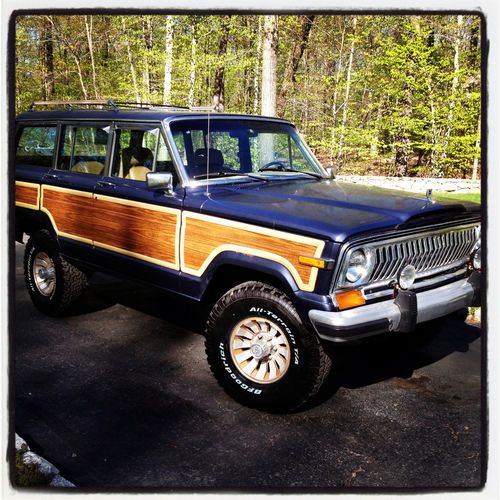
(27, 475)
(472, 197)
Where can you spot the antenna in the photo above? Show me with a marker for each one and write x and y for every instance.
(208, 110)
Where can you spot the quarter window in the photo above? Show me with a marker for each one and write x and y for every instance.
(36, 146)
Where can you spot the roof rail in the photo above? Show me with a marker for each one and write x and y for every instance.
(147, 105)
(120, 104)
(72, 104)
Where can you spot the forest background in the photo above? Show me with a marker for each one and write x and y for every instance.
(389, 95)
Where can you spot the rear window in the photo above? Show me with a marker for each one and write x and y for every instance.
(36, 146)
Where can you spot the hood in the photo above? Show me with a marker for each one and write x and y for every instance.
(328, 208)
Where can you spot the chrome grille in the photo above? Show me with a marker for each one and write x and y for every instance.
(428, 253)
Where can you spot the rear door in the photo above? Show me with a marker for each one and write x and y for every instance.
(136, 230)
(67, 191)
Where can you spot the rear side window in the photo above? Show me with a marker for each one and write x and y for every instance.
(36, 146)
(84, 149)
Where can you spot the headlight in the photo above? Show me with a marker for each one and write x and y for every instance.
(476, 259)
(476, 251)
(359, 266)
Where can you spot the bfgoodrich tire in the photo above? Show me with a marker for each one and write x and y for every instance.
(260, 352)
(53, 283)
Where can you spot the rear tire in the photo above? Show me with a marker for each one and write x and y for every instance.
(53, 283)
(260, 352)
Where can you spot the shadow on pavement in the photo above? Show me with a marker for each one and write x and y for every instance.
(104, 292)
(397, 355)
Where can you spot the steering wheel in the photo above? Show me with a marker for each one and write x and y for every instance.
(273, 165)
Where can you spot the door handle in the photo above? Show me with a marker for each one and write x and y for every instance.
(106, 184)
(52, 177)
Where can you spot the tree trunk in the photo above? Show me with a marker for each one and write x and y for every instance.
(131, 63)
(296, 54)
(435, 167)
(47, 57)
(169, 47)
(347, 90)
(80, 76)
(88, 30)
(218, 97)
(269, 66)
(477, 153)
(454, 85)
(376, 139)
(192, 72)
(147, 29)
(335, 96)
(257, 68)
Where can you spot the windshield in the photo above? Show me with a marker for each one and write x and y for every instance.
(241, 147)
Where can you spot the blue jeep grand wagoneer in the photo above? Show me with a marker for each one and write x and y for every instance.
(234, 212)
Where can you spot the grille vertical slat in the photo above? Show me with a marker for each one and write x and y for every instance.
(425, 252)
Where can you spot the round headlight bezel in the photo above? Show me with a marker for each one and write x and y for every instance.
(476, 258)
(359, 265)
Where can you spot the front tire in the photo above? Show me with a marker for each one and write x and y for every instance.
(260, 352)
(53, 283)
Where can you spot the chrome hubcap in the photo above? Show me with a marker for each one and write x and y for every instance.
(260, 350)
(44, 274)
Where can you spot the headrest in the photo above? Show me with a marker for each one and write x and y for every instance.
(140, 156)
(215, 157)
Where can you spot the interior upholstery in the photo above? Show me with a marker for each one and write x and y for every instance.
(137, 173)
(215, 157)
(88, 167)
(136, 155)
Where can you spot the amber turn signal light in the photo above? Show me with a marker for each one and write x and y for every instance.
(351, 298)
(314, 262)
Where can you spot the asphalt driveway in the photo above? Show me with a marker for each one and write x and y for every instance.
(120, 395)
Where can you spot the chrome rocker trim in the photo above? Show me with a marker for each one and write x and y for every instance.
(371, 319)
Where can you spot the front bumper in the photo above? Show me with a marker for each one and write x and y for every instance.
(396, 315)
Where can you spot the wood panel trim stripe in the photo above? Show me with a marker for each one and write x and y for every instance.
(24, 189)
(281, 236)
(74, 192)
(145, 206)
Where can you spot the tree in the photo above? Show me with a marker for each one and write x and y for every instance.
(169, 47)
(269, 66)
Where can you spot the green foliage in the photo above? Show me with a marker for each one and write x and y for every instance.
(471, 197)
(28, 475)
(412, 104)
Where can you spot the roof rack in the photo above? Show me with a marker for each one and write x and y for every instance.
(147, 105)
(72, 104)
(102, 103)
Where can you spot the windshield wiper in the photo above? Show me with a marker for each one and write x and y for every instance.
(215, 175)
(212, 175)
(295, 171)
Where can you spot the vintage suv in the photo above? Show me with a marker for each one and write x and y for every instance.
(234, 212)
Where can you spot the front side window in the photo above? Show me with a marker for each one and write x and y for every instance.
(36, 146)
(238, 147)
(139, 151)
(84, 149)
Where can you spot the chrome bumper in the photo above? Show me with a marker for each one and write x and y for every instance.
(389, 315)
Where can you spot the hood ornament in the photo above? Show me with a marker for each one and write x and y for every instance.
(428, 195)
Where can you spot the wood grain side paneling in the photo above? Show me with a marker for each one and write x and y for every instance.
(137, 229)
(204, 238)
(71, 212)
(27, 195)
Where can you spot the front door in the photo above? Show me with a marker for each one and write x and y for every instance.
(136, 230)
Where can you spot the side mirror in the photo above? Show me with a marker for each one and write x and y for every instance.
(331, 171)
(160, 181)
